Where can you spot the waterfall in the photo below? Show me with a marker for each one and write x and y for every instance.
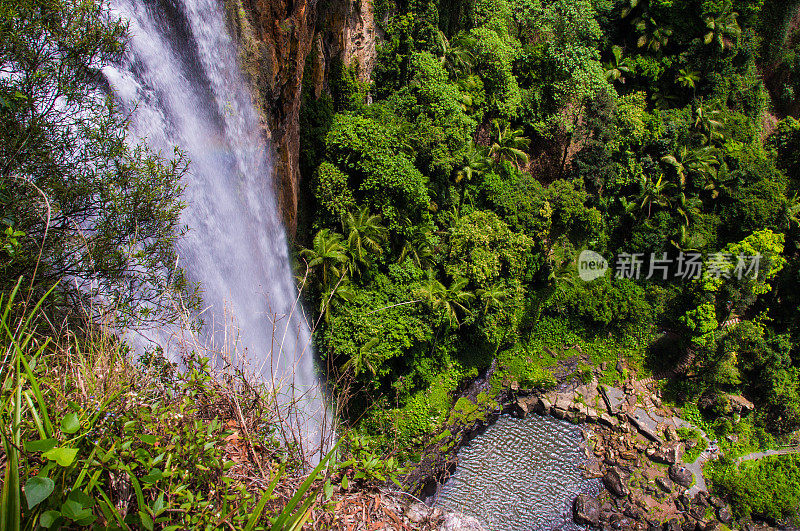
(180, 81)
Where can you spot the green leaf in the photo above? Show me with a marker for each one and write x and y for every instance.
(41, 445)
(37, 489)
(147, 520)
(154, 475)
(148, 439)
(48, 518)
(81, 497)
(62, 456)
(158, 505)
(74, 510)
(345, 483)
(87, 520)
(70, 423)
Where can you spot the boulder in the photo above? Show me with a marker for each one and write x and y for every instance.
(740, 404)
(609, 421)
(698, 512)
(683, 502)
(681, 475)
(724, 515)
(655, 400)
(614, 480)
(633, 512)
(586, 510)
(671, 433)
(521, 408)
(664, 484)
(460, 522)
(645, 423)
(669, 453)
(543, 406)
(716, 502)
(689, 524)
(417, 512)
(621, 522)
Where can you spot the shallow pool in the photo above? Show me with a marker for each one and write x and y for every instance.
(520, 474)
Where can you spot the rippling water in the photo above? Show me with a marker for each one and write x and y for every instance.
(520, 474)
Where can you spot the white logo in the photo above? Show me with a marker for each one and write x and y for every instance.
(591, 265)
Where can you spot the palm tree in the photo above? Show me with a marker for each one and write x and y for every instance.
(617, 67)
(651, 35)
(493, 296)
(474, 163)
(701, 162)
(468, 86)
(717, 183)
(364, 235)
(687, 207)
(707, 125)
(688, 78)
(654, 192)
(509, 143)
(418, 246)
(722, 29)
(364, 359)
(449, 301)
(342, 291)
(792, 211)
(456, 56)
(327, 257)
(688, 242)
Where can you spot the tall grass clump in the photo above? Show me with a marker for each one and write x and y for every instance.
(92, 437)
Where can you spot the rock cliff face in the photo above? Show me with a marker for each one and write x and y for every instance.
(276, 38)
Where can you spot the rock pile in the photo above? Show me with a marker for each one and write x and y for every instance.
(635, 448)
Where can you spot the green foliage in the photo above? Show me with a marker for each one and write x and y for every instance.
(83, 196)
(697, 440)
(72, 450)
(505, 137)
(367, 464)
(371, 154)
(766, 488)
(494, 57)
(619, 302)
(483, 249)
(332, 192)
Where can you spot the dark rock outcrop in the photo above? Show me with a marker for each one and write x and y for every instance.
(681, 475)
(586, 510)
(614, 480)
(670, 453)
(276, 37)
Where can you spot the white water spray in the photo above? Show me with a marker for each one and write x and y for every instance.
(181, 82)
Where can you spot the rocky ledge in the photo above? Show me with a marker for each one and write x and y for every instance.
(634, 447)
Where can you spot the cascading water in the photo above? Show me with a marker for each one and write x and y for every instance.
(181, 83)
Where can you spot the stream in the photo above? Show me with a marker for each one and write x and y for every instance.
(520, 474)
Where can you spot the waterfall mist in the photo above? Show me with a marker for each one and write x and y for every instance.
(181, 83)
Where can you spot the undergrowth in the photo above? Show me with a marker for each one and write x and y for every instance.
(92, 438)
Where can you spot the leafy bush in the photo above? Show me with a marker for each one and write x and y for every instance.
(91, 440)
(766, 488)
